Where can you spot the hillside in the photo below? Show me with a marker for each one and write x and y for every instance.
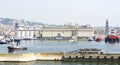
(8, 21)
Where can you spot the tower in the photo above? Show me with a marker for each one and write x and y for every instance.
(107, 28)
(16, 25)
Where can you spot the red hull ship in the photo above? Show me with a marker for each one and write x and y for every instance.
(111, 39)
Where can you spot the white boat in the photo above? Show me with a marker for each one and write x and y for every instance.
(3, 42)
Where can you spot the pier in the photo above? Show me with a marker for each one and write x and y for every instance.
(59, 57)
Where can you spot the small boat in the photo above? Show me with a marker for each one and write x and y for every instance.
(1, 42)
(98, 39)
(4, 42)
(16, 48)
(90, 39)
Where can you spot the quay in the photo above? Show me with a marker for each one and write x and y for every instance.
(59, 57)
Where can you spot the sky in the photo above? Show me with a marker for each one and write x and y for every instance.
(92, 12)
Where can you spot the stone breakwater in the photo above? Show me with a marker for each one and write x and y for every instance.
(59, 57)
(31, 56)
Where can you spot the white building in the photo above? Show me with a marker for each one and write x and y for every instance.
(24, 33)
(55, 32)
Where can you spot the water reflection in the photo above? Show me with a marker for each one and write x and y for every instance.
(10, 51)
(59, 63)
(16, 63)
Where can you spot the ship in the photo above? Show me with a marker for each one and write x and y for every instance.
(112, 38)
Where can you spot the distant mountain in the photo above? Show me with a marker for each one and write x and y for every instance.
(8, 21)
(31, 23)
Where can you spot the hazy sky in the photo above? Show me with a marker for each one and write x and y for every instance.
(93, 12)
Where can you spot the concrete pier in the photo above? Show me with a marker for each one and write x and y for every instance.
(92, 57)
(59, 57)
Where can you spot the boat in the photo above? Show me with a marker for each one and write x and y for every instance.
(98, 39)
(13, 48)
(112, 38)
(90, 39)
(16, 46)
(3, 42)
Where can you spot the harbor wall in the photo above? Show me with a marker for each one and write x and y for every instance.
(17, 57)
(31, 56)
(59, 57)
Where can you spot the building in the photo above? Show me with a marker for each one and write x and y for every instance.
(85, 33)
(25, 33)
(56, 32)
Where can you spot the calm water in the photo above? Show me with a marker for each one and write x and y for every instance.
(38, 46)
(59, 63)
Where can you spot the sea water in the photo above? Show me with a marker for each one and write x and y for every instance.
(38, 46)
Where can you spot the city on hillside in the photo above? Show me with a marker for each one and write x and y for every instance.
(32, 30)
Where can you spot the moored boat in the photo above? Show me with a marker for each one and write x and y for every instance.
(2, 42)
(112, 38)
(90, 39)
(98, 39)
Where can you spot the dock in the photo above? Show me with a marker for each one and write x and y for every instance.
(59, 57)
